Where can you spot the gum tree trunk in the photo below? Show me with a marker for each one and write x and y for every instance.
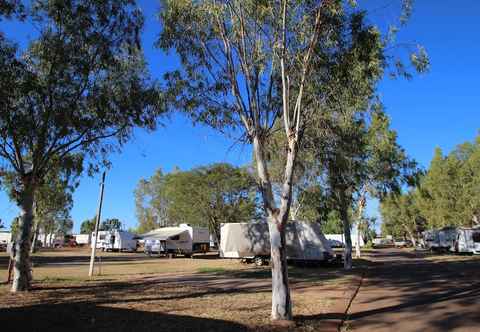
(33, 248)
(359, 234)
(22, 268)
(347, 252)
(277, 220)
(281, 302)
(411, 236)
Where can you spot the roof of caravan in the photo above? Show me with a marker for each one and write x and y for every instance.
(163, 233)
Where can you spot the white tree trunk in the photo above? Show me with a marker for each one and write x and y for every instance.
(277, 219)
(347, 252)
(22, 268)
(357, 245)
(411, 236)
(33, 248)
(281, 302)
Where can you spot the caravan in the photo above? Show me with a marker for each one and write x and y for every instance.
(467, 240)
(115, 241)
(440, 239)
(183, 239)
(251, 242)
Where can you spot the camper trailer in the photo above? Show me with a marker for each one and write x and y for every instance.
(5, 237)
(467, 241)
(82, 239)
(440, 239)
(338, 240)
(251, 242)
(115, 241)
(183, 239)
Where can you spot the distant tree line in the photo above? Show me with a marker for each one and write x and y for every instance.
(448, 194)
(203, 196)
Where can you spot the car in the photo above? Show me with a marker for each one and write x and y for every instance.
(335, 243)
(402, 243)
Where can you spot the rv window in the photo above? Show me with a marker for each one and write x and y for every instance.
(101, 236)
(476, 237)
(175, 238)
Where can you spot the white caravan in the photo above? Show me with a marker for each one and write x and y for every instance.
(115, 241)
(467, 240)
(5, 237)
(82, 239)
(440, 239)
(183, 239)
(251, 242)
(338, 240)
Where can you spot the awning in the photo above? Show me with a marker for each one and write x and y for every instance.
(162, 233)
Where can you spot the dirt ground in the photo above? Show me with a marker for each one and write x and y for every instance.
(388, 290)
(407, 291)
(137, 293)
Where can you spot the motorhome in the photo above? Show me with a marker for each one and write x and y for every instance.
(467, 240)
(251, 242)
(115, 240)
(183, 239)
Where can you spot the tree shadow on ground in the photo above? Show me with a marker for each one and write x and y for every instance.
(90, 317)
(403, 288)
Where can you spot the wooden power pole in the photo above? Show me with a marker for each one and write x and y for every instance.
(97, 226)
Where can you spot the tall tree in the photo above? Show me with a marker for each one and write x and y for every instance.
(151, 203)
(258, 67)
(401, 217)
(212, 195)
(246, 64)
(80, 86)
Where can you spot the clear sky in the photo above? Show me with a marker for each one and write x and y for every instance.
(440, 108)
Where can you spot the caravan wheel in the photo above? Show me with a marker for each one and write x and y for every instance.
(259, 261)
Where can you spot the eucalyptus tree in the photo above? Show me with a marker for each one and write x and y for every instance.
(245, 65)
(79, 87)
(54, 196)
(111, 224)
(401, 216)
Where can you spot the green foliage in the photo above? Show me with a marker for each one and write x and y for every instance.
(88, 226)
(111, 225)
(401, 216)
(80, 86)
(205, 196)
(449, 194)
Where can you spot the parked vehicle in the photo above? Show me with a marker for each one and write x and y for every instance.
(115, 241)
(183, 240)
(467, 240)
(401, 243)
(340, 239)
(382, 242)
(5, 238)
(440, 239)
(251, 242)
(82, 239)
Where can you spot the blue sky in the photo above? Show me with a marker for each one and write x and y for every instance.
(439, 108)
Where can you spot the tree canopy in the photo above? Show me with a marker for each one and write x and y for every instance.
(204, 196)
(79, 87)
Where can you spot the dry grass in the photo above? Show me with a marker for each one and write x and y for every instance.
(135, 292)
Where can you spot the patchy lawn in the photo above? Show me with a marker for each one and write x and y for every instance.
(138, 293)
